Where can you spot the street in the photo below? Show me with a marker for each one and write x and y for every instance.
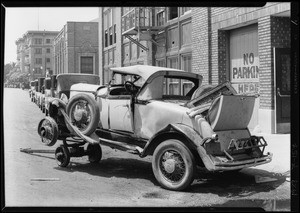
(120, 179)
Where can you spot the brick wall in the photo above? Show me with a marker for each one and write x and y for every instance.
(200, 64)
(272, 32)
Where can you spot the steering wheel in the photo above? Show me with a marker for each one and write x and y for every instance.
(130, 87)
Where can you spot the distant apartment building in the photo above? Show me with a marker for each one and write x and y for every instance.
(76, 48)
(35, 52)
(248, 46)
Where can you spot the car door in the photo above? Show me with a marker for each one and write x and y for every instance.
(119, 109)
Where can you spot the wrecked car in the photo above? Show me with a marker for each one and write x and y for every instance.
(162, 112)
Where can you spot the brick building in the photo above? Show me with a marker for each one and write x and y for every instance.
(248, 46)
(34, 52)
(76, 48)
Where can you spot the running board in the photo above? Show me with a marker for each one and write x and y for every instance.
(121, 146)
(117, 144)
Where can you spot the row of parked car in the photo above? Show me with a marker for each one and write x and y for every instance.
(44, 89)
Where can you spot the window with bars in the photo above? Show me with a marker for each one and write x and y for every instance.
(86, 64)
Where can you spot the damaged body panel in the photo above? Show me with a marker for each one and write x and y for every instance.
(143, 111)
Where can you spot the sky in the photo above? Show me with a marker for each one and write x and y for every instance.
(20, 20)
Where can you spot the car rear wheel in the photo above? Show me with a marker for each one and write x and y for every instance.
(84, 113)
(173, 165)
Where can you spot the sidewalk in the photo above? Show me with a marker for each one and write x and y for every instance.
(280, 146)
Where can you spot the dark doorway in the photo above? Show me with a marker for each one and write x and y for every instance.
(282, 67)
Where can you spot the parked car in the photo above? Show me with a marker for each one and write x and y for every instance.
(162, 112)
(61, 84)
(39, 91)
(35, 90)
(32, 90)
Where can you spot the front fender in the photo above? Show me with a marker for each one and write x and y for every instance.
(54, 105)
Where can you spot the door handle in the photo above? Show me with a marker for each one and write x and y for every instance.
(280, 95)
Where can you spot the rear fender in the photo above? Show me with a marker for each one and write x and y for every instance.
(177, 131)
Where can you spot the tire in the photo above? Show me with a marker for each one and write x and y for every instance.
(170, 158)
(48, 131)
(84, 113)
(94, 152)
(62, 156)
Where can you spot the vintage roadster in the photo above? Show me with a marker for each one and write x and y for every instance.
(162, 112)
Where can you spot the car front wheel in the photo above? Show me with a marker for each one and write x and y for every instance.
(173, 165)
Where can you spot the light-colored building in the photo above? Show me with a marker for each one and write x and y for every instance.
(248, 46)
(35, 52)
(76, 48)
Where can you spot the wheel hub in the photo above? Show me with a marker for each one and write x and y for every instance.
(169, 165)
(80, 115)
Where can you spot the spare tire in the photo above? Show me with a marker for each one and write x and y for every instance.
(84, 113)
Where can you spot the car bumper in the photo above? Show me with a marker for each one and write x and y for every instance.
(234, 165)
(215, 163)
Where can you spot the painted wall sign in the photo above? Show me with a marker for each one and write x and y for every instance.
(245, 73)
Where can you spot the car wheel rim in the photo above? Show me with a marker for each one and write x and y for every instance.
(81, 115)
(47, 132)
(172, 166)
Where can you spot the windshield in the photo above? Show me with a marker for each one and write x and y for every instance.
(120, 78)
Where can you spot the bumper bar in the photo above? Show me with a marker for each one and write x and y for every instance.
(243, 164)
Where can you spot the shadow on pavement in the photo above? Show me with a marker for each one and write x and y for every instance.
(236, 184)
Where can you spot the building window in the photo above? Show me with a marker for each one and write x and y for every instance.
(106, 39)
(173, 12)
(186, 65)
(86, 64)
(115, 34)
(38, 61)
(160, 18)
(109, 20)
(110, 36)
(48, 41)
(48, 60)
(48, 50)
(38, 51)
(38, 41)
(186, 62)
(184, 9)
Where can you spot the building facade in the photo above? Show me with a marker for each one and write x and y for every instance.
(248, 46)
(35, 52)
(76, 48)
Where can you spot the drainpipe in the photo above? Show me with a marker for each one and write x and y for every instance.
(209, 45)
